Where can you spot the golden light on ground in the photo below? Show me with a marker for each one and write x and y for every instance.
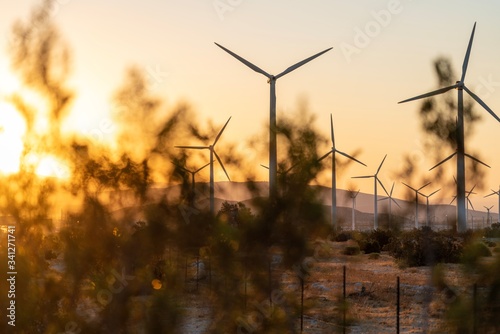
(12, 129)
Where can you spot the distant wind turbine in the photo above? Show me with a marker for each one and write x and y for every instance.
(211, 148)
(427, 204)
(498, 194)
(488, 217)
(417, 191)
(468, 201)
(334, 177)
(273, 190)
(390, 199)
(375, 180)
(193, 173)
(353, 195)
(460, 86)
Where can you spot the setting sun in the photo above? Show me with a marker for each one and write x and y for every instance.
(12, 129)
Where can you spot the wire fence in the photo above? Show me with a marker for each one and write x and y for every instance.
(339, 294)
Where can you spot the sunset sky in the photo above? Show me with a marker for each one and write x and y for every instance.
(382, 53)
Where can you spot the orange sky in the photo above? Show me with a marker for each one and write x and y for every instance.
(382, 54)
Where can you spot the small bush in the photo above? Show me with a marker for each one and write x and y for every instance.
(374, 256)
(352, 250)
(424, 247)
(343, 236)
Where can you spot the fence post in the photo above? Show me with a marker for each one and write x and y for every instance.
(397, 306)
(301, 304)
(344, 301)
(197, 269)
(474, 309)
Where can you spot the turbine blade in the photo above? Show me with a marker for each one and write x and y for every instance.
(433, 193)
(246, 62)
(409, 186)
(264, 166)
(392, 188)
(471, 191)
(300, 63)
(362, 177)
(348, 156)
(221, 164)
(467, 54)
(193, 147)
(324, 156)
(199, 169)
(399, 206)
(478, 100)
(443, 161)
(455, 179)
(435, 92)
(378, 170)
(493, 193)
(179, 166)
(470, 203)
(425, 185)
(476, 159)
(220, 132)
(331, 131)
(380, 182)
(453, 200)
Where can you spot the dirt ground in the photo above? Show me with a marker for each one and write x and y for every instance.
(371, 295)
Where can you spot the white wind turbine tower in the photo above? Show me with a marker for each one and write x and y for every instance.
(273, 191)
(375, 180)
(193, 173)
(353, 195)
(334, 175)
(498, 194)
(460, 86)
(211, 148)
(488, 217)
(390, 199)
(427, 203)
(416, 199)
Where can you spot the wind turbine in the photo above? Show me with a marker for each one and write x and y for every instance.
(211, 148)
(488, 222)
(427, 204)
(353, 196)
(389, 197)
(193, 173)
(460, 86)
(375, 180)
(498, 194)
(273, 191)
(488, 216)
(283, 173)
(468, 201)
(416, 199)
(334, 177)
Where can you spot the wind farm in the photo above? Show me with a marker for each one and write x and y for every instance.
(132, 201)
(333, 151)
(460, 87)
(273, 164)
(211, 149)
(376, 181)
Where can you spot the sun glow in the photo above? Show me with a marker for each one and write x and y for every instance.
(12, 129)
(50, 166)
